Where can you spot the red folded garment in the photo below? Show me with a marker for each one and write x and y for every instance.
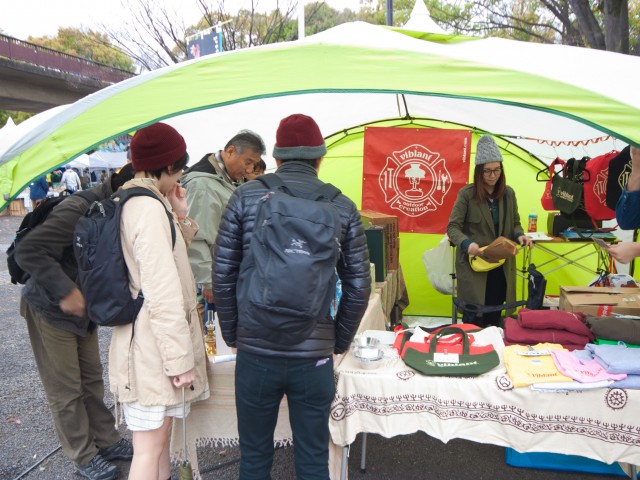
(573, 322)
(568, 346)
(514, 333)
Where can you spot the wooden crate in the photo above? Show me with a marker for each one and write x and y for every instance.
(17, 208)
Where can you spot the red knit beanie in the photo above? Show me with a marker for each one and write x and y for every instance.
(155, 147)
(299, 138)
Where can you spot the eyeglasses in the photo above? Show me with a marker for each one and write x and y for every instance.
(488, 173)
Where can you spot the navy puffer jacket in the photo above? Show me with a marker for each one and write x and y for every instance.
(232, 243)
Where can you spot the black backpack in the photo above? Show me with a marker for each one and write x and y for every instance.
(287, 279)
(619, 171)
(30, 221)
(102, 271)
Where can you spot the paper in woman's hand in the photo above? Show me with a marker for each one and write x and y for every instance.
(499, 249)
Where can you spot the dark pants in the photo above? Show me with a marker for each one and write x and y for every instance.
(71, 374)
(495, 294)
(261, 382)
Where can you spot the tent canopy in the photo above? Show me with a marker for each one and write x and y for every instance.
(538, 98)
(349, 75)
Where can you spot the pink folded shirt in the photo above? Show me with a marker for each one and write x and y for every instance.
(583, 372)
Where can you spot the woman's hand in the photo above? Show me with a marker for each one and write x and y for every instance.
(178, 200)
(624, 252)
(184, 379)
(474, 250)
(525, 241)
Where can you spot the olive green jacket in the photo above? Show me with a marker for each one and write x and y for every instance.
(471, 220)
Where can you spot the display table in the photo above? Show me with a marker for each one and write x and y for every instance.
(576, 252)
(395, 400)
(213, 422)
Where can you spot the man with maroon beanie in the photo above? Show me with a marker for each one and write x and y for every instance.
(268, 368)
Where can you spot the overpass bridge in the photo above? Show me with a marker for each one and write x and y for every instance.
(34, 78)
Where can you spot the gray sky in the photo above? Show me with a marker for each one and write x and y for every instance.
(21, 18)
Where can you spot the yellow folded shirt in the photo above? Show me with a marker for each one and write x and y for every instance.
(525, 370)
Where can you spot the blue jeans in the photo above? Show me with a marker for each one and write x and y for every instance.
(261, 382)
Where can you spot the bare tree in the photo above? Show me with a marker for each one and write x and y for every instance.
(599, 24)
(154, 35)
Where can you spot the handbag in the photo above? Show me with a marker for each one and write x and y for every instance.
(546, 200)
(595, 187)
(494, 255)
(566, 195)
(442, 357)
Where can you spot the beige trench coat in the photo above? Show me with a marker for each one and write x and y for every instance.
(168, 338)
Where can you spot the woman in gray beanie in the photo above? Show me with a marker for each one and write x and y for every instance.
(485, 210)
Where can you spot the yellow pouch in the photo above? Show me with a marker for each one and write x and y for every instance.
(479, 264)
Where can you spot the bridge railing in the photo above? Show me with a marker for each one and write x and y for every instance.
(20, 50)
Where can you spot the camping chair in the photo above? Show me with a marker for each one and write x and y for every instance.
(536, 286)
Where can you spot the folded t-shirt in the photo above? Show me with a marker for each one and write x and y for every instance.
(515, 333)
(556, 320)
(615, 328)
(584, 372)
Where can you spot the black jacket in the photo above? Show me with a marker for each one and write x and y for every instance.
(46, 254)
(353, 269)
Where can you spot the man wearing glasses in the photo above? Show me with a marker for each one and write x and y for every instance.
(485, 210)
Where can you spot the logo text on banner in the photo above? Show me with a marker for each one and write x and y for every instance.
(415, 174)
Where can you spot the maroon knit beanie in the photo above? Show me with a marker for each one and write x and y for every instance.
(299, 138)
(155, 147)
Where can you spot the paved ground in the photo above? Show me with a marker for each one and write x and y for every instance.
(29, 447)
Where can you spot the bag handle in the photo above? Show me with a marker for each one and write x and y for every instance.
(550, 170)
(448, 331)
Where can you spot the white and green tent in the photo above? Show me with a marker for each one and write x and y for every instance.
(543, 101)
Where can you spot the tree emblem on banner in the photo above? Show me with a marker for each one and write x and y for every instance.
(415, 174)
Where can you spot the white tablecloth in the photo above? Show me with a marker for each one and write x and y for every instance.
(395, 400)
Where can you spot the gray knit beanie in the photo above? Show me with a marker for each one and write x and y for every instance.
(487, 151)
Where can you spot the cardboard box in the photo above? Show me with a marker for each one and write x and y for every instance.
(390, 224)
(600, 301)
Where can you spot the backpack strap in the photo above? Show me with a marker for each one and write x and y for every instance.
(273, 182)
(125, 194)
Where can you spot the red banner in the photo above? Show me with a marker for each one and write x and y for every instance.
(415, 174)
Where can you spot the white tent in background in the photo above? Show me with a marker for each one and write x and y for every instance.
(421, 21)
(102, 159)
(81, 162)
(99, 160)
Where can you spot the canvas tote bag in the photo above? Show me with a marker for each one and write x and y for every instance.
(546, 200)
(446, 359)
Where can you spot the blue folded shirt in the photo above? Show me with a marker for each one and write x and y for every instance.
(616, 358)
